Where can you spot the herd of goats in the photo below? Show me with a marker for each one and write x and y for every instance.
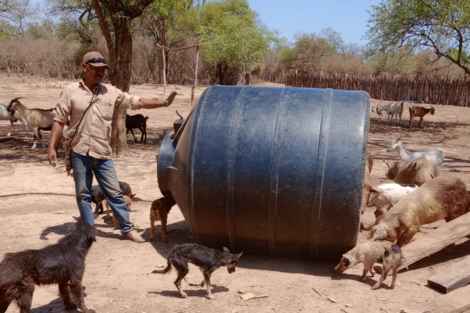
(419, 195)
(395, 110)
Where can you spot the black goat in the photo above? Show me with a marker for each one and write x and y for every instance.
(137, 121)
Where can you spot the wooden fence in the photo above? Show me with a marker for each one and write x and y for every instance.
(435, 90)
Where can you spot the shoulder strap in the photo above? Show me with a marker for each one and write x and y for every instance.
(97, 91)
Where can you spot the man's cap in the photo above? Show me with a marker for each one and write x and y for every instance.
(95, 59)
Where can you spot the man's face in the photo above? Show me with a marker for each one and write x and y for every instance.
(93, 74)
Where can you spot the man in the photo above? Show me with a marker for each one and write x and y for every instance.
(91, 151)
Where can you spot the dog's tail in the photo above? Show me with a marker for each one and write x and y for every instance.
(163, 271)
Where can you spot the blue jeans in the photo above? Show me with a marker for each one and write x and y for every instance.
(83, 169)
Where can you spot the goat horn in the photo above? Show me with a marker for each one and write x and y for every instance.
(180, 116)
(16, 99)
(386, 163)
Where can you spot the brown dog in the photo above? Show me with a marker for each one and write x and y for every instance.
(159, 212)
(128, 202)
(62, 264)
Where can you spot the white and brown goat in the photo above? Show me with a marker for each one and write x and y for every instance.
(416, 111)
(415, 172)
(444, 197)
(36, 118)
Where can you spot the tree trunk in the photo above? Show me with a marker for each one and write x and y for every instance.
(121, 14)
(122, 80)
(222, 70)
(247, 78)
(107, 35)
(161, 24)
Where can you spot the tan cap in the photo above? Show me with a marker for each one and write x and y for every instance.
(94, 58)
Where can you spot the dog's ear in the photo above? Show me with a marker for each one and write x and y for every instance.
(225, 250)
(92, 238)
(132, 195)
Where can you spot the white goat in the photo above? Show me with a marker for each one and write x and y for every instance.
(385, 196)
(435, 157)
(36, 118)
(392, 109)
(5, 115)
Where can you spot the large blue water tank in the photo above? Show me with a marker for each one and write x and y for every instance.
(273, 171)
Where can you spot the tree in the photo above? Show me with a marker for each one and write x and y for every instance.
(231, 37)
(442, 26)
(158, 21)
(310, 49)
(14, 15)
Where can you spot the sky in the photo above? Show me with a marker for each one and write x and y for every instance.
(348, 17)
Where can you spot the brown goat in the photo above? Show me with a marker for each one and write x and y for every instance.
(416, 111)
(415, 172)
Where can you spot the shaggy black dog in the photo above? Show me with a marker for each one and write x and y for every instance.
(207, 259)
(62, 263)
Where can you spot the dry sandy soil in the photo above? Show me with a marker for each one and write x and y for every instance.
(38, 206)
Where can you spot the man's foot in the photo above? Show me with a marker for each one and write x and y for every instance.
(170, 98)
(134, 236)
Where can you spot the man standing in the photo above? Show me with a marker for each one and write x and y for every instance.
(92, 153)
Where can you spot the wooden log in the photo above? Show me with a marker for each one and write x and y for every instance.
(452, 278)
(442, 237)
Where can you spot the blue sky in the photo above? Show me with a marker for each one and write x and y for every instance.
(348, 17)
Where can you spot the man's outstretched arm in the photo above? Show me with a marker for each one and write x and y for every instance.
(146, 103)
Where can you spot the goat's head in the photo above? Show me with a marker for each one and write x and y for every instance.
(393, 145)
(12, 104)
(432, 110)
(379, 110)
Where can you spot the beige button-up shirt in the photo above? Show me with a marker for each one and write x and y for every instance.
(94, 132)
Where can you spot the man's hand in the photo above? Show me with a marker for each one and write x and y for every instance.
(170, 98)
(56, 134)
(52, 156)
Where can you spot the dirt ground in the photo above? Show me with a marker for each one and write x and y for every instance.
(38, 206)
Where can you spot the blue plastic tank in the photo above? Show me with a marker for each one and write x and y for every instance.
(271, 171)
